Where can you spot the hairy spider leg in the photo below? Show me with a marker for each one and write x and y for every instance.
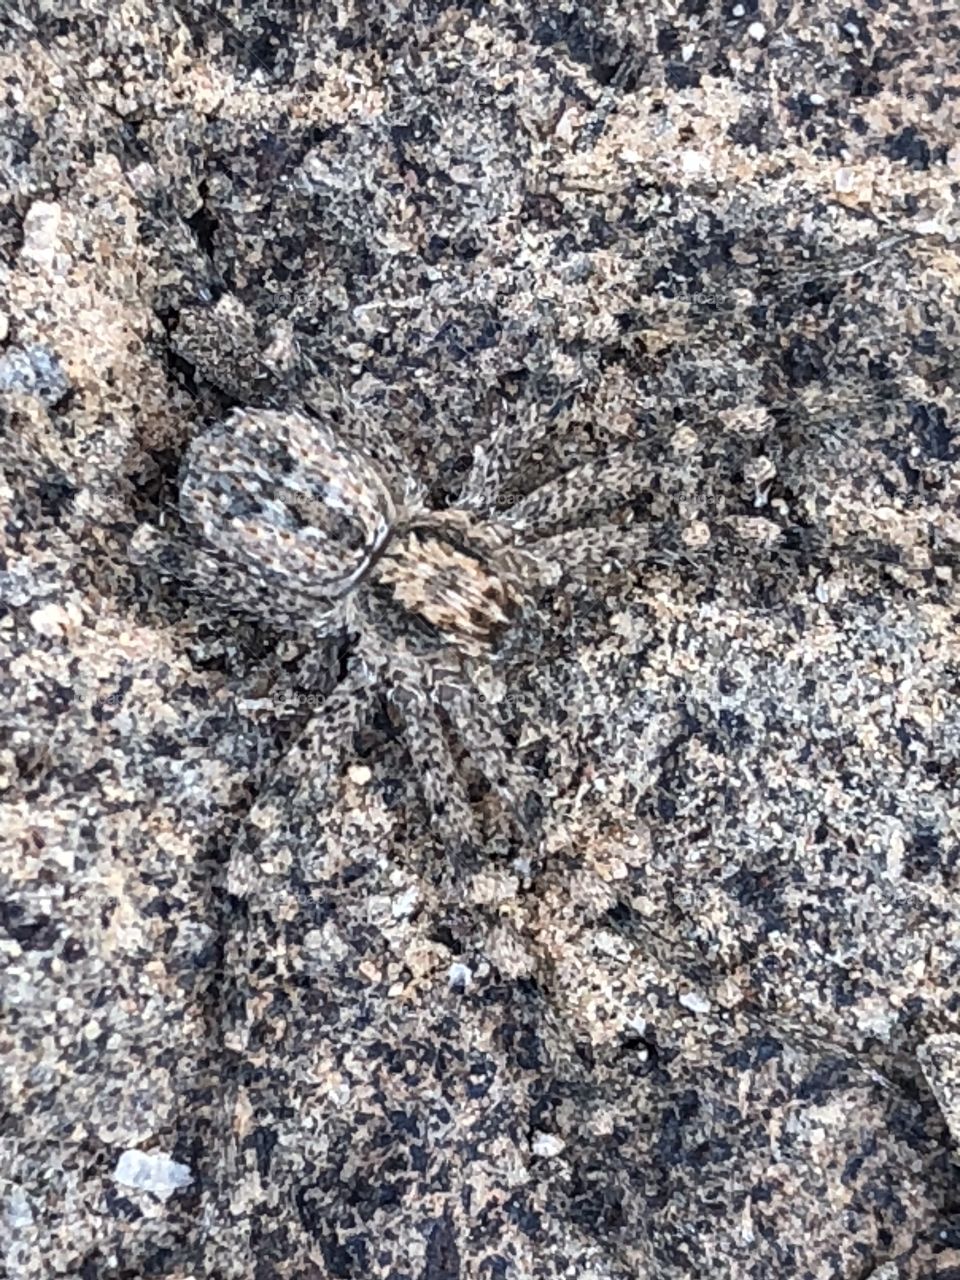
(439, 779)
(368, 435)
(495, 457)
(597, 485)
(487, 748)
(586, 550)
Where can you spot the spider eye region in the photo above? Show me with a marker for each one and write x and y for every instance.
(279, 495)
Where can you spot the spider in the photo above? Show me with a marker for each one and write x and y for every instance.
(295, 524)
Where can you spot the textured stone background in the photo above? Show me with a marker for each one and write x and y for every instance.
(709, 1025)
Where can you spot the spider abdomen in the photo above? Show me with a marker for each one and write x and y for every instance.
(281, 495)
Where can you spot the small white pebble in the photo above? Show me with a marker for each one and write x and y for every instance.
(339, 1094)
(757, 31)
(55, 620)
(546, 1144)
(41, 225)
(930, 227)
(19, 1214)
(404, 903)
(695, 1002)
(255, 704)
(747, 419)
(4, 325)
(696, 535)
(459, 976)
(759, 470)
(359, 774)
(685, 440)
(151, 1171)
(523, 867)
(694, 163)
(756, 529)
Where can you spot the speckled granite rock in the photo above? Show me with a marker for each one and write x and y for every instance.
(707, 1024)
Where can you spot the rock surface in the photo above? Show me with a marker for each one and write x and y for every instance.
(707, 1024)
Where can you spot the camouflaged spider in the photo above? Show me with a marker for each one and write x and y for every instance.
(299, 526)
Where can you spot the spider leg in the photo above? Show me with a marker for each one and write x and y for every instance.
(286, 680)
(496, 458)
(365, 432)
(597, 485)
(917, 556)
(488, 749)
(592, 549)
(223, 344)
(577, 551)
(328, 736)
(304, 773)
(439, 778)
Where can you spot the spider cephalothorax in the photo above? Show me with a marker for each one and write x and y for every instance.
(458, 575)
(300, 526)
